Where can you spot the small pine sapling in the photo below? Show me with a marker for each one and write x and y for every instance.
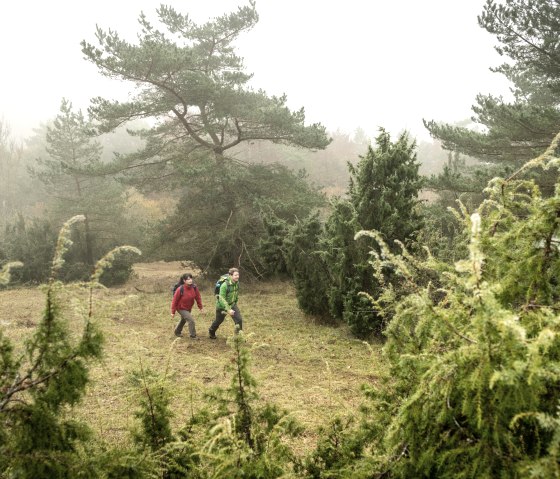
(37, 439)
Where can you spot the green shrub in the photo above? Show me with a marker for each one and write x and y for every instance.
(329, 267)
(120, 271)
(234, 436)
(38, 439)
(248, 203)
(306, 266)
(32, 243)
(474, 359)
(271, 245)
(337, 453)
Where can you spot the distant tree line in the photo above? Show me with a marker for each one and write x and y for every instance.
(221, 165)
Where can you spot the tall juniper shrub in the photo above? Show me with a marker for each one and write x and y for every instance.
(328, 266)
(473, 387)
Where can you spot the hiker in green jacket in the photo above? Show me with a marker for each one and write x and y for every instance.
(226, 303)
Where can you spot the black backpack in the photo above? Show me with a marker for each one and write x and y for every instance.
(182, 286)
(177, 285)
(219, 284)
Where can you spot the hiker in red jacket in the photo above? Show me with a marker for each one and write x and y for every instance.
(183, 300)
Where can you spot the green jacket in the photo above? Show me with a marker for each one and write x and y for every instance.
(229, 292)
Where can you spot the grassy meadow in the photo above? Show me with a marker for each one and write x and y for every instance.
(312, 370)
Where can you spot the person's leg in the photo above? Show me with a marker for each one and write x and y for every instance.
(237, 319)
(181, 323)
(216, 324)
(190, 321)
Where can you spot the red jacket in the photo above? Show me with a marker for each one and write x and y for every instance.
(187, 299)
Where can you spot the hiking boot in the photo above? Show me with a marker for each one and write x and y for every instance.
(211, 335)
(196, 338)
(178, 335)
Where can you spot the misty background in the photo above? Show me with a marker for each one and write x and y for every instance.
(360, 71)
(351, 64)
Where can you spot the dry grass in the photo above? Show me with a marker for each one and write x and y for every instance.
(312, 370)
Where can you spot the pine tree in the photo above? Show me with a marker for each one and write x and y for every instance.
(17, 190)
(514, 132)
(69, 175)
(189, 78)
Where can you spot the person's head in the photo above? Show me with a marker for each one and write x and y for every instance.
(187, 278)
(234, 274)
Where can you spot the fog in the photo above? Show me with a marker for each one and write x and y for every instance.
(352, 64)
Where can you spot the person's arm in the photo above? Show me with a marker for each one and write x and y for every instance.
(222, 297)
(175, 301)
(198, 299)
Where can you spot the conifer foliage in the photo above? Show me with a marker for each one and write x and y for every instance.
(306, 267)
(246, 221)
(22, 236)
(384, 188)
(383, 195)
(38, 383)
(190, 79)
(189, 76)
(518, 130)
(235, 436)
(69, 175)
(474, 382)
(329, 267)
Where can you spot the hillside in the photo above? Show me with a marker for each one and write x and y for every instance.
(314, 371)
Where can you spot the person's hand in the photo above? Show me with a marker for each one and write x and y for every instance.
(202, 311)
(172, 315)
(231, 312)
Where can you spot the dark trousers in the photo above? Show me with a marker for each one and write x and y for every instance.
(220, 316)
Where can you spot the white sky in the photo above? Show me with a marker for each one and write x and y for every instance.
(355, 63)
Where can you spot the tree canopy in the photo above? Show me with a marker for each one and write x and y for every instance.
(68, 173)
(513, 132)
(191, 80)
(192, 86)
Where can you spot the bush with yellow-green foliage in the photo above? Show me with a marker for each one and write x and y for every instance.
(234, 436)
(40, 382)
(474, 383)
